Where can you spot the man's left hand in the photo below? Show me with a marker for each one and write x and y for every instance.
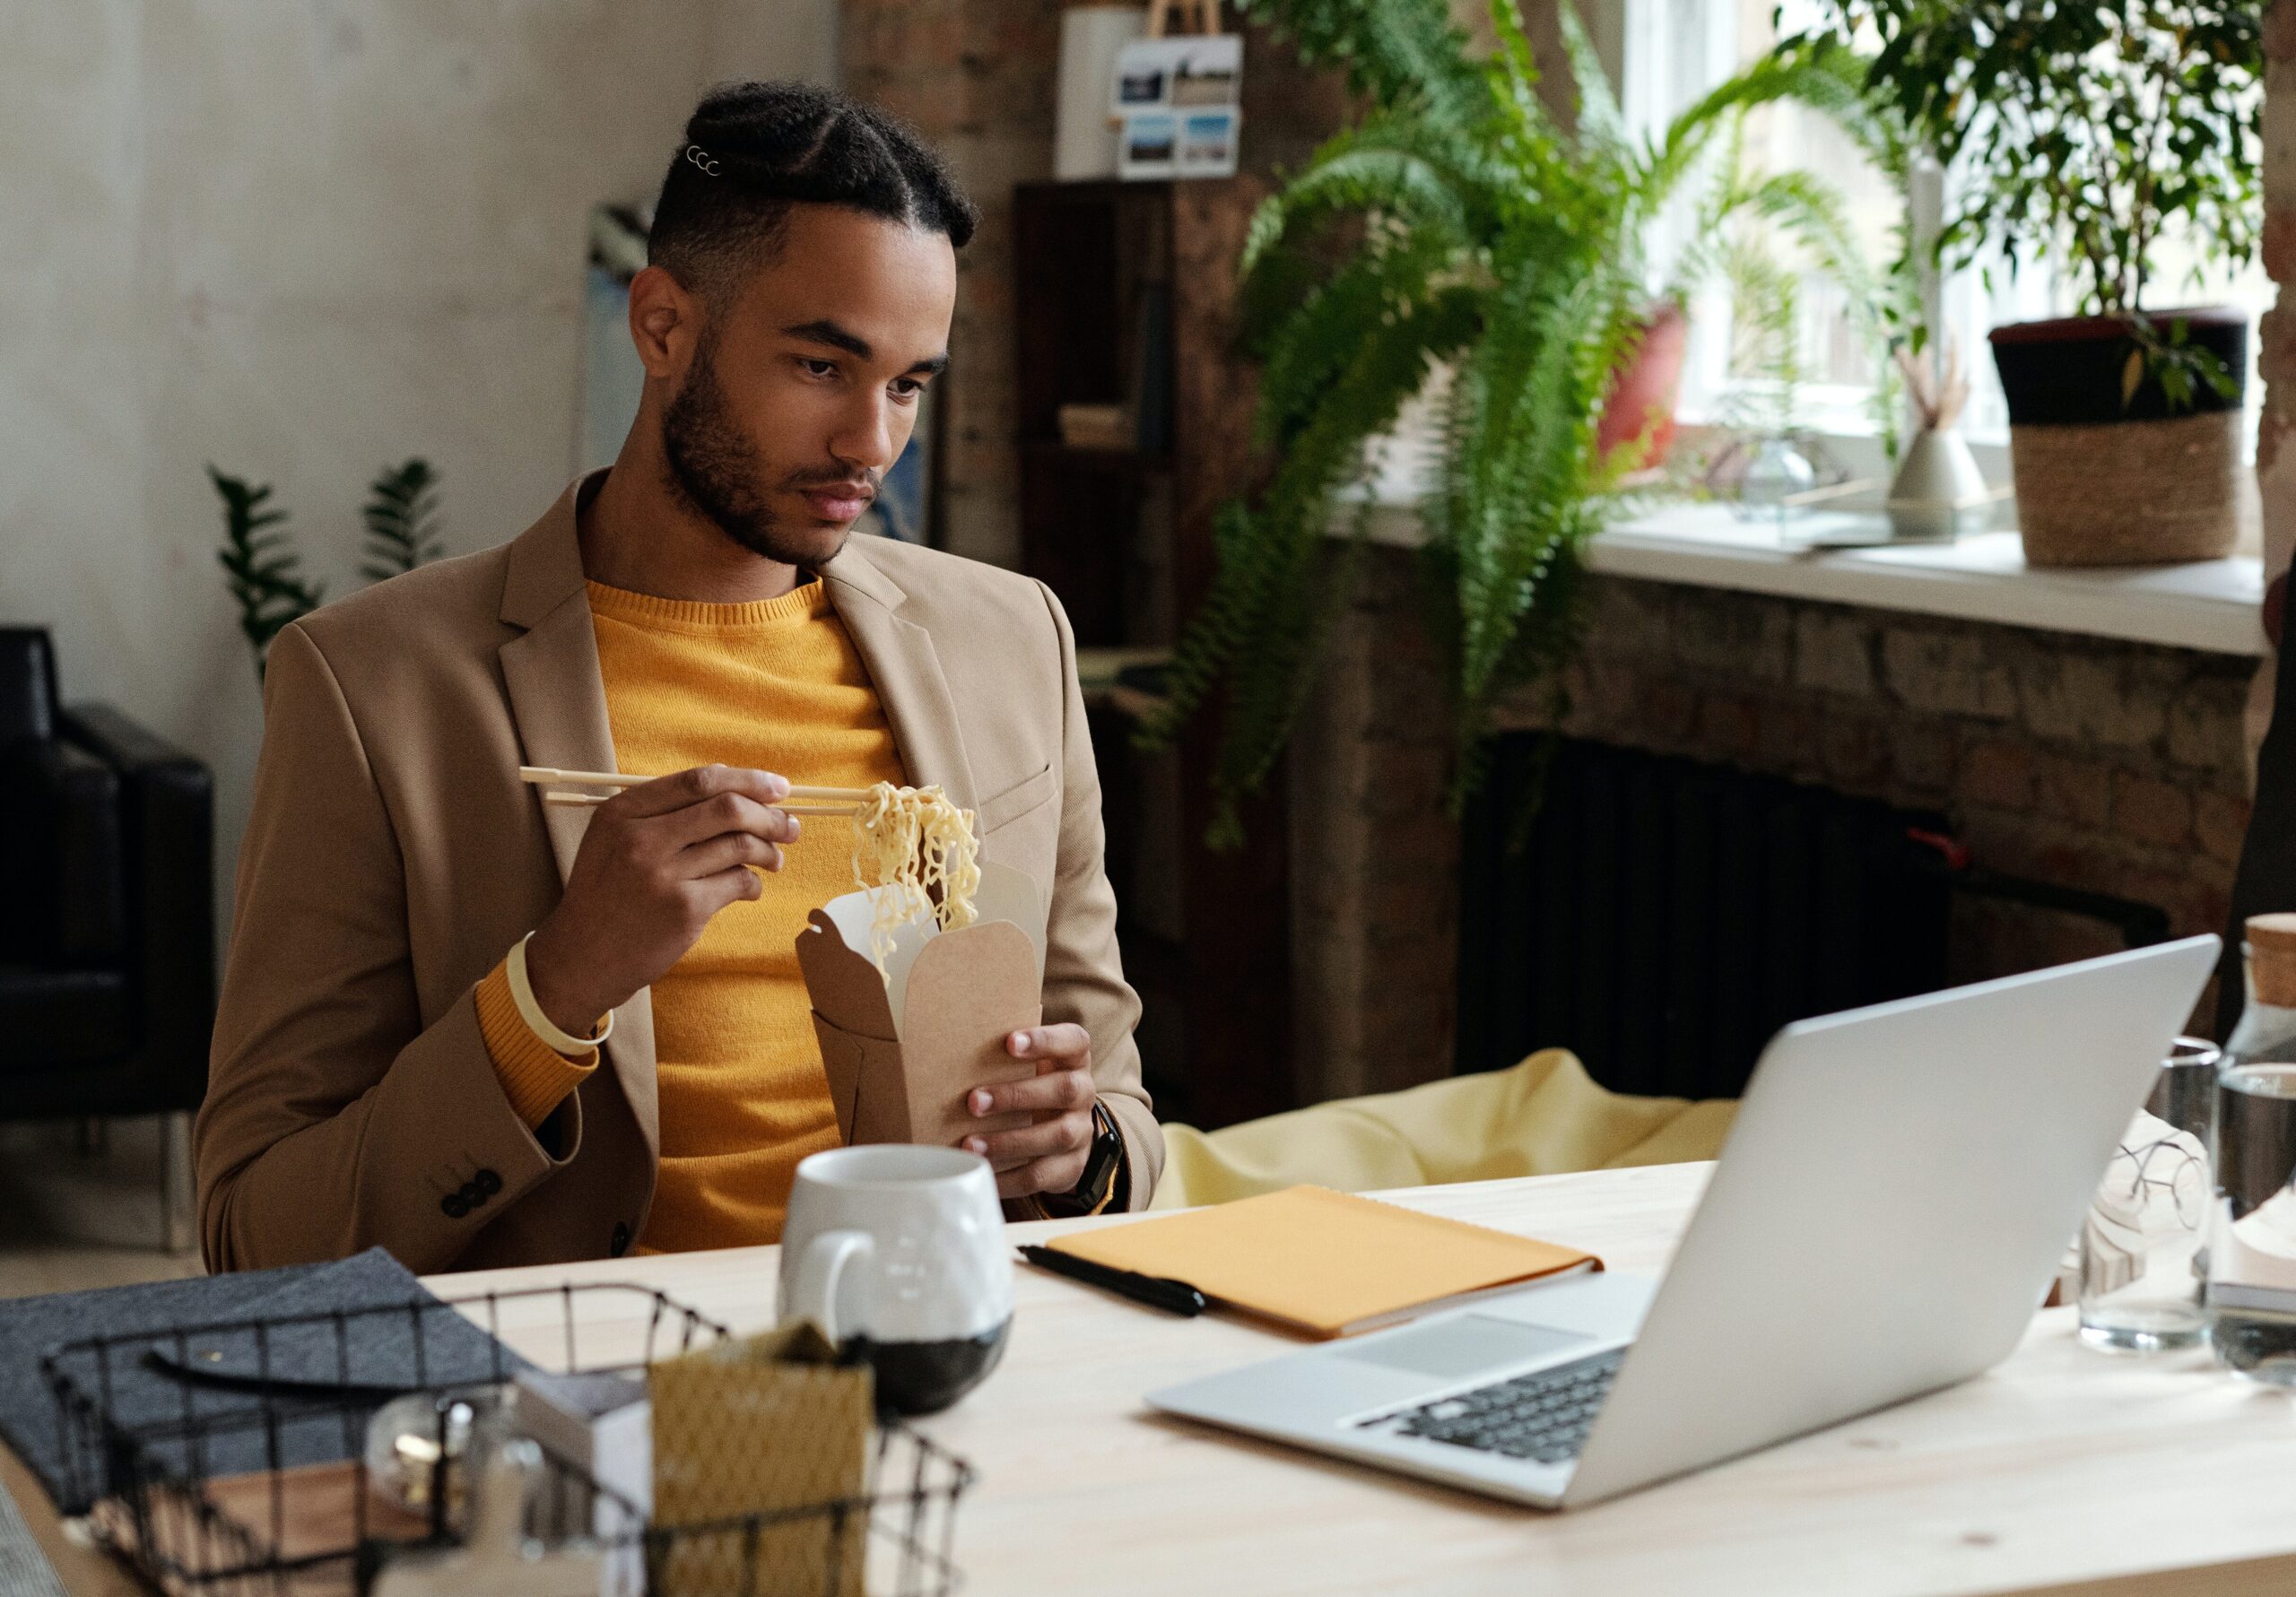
(1049, 1156)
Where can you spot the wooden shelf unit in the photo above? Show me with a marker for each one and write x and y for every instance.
(1125, 294)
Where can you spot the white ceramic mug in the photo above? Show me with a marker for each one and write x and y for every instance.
(900, 1251)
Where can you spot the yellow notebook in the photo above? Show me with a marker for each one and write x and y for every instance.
(1325, 1263)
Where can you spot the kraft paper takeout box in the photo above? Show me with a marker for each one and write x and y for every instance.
(902, 1049)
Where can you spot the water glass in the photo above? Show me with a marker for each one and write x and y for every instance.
(2252, 1257)
(2142, 1270)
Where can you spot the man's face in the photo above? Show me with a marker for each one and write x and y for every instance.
(803, 390)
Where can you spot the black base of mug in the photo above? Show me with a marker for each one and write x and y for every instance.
(927, 1377)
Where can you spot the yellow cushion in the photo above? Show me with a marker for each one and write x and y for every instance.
(1544, 1117)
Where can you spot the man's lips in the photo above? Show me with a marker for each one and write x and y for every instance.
(840, 501)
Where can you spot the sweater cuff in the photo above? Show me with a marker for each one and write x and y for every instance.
(535, 1077)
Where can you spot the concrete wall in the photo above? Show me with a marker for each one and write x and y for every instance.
(301, 240)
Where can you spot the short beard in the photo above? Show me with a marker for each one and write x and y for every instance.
(713, 466)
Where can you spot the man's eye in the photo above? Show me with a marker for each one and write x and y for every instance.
(907, 387)
(819, 369)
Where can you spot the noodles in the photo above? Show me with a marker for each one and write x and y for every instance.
(913, 841)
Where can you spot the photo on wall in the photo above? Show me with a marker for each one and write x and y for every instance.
(1151, 145)
(1207, 143)
(1178, 101)
(1176, 73)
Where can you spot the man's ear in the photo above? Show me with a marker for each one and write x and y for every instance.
(665, 322)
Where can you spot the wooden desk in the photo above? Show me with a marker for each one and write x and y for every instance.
(2062, 1471)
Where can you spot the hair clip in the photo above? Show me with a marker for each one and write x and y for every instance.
(701, 160)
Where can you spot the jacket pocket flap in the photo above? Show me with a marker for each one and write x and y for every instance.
(1017, 800)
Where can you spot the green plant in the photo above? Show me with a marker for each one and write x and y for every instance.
(1458, 226)
(402, 518)
(1745, 212)
(259, 566)
(2085, 132)
(262, 568)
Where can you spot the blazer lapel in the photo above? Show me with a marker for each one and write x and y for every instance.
(559, 700)
(906, 670)
(550, 676)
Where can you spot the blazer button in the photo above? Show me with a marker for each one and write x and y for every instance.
(620, 1244)
(487, 1182)
(455, 1205)
(473, 1194)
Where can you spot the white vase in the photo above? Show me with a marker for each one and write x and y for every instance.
(1939, 493)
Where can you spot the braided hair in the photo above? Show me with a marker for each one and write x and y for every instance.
(753, 149)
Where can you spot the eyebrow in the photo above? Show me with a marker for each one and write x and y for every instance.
(841, 338)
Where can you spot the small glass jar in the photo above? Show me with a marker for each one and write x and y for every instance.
(2141, 1245)
(2251, 1261)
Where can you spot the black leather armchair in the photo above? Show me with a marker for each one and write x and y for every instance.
(106, 909)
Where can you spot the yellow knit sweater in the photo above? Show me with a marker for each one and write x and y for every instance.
(776, 685)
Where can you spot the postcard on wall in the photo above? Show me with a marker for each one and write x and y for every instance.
(1180, 145)
(1207, 143)
(1149, 147)
(1179, 74)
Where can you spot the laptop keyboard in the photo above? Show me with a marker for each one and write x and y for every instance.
(1543, 1416)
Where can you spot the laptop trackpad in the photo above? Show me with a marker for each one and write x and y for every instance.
(1464, 1345)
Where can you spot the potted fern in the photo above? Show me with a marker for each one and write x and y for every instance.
(2090, 136)
(263, 570)
(1459, 227)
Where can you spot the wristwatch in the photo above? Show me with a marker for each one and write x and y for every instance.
(1101, 1186)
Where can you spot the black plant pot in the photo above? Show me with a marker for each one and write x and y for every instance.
(2106, 477)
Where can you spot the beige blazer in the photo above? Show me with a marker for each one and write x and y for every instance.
(393, 856)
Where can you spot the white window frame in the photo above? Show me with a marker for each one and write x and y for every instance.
(1662, 52)
(1667, 52)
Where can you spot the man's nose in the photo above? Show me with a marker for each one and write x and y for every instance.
(868, 439)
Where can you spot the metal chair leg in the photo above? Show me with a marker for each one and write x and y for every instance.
(171, 1126)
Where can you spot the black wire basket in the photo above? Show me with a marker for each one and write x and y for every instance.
(231, 1457)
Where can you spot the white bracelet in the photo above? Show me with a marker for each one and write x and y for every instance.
(522, 993)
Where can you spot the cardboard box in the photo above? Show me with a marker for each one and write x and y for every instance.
(903, 1049)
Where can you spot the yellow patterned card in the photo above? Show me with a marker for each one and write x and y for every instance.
(753, 1426)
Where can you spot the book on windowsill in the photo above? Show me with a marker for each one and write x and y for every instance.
(1327, 1263)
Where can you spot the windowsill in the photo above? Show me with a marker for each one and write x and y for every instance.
(2211, 606)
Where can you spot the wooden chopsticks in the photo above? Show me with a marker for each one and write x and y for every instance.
(829, 801)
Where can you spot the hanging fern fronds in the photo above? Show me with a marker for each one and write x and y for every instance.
(402, 518)
(1393, 52)
(259, 566)
(1460, 228)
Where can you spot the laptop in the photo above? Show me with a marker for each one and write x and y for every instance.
(1892, 1201)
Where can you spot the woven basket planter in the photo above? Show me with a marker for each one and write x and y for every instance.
(2104, 482)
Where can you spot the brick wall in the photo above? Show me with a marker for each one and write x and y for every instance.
(2114, 767)
(2276, 363)
(976, 78)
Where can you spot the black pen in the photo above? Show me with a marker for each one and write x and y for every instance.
(1174, 1297)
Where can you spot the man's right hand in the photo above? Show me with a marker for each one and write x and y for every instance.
(658, 861)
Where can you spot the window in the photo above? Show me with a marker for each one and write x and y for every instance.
(1673, 51)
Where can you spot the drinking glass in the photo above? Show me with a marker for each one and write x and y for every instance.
(2141, 1275)
(2252, 1256)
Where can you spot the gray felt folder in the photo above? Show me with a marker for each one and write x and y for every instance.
(319, 1373)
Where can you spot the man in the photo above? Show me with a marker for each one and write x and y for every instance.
(480, 1032)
